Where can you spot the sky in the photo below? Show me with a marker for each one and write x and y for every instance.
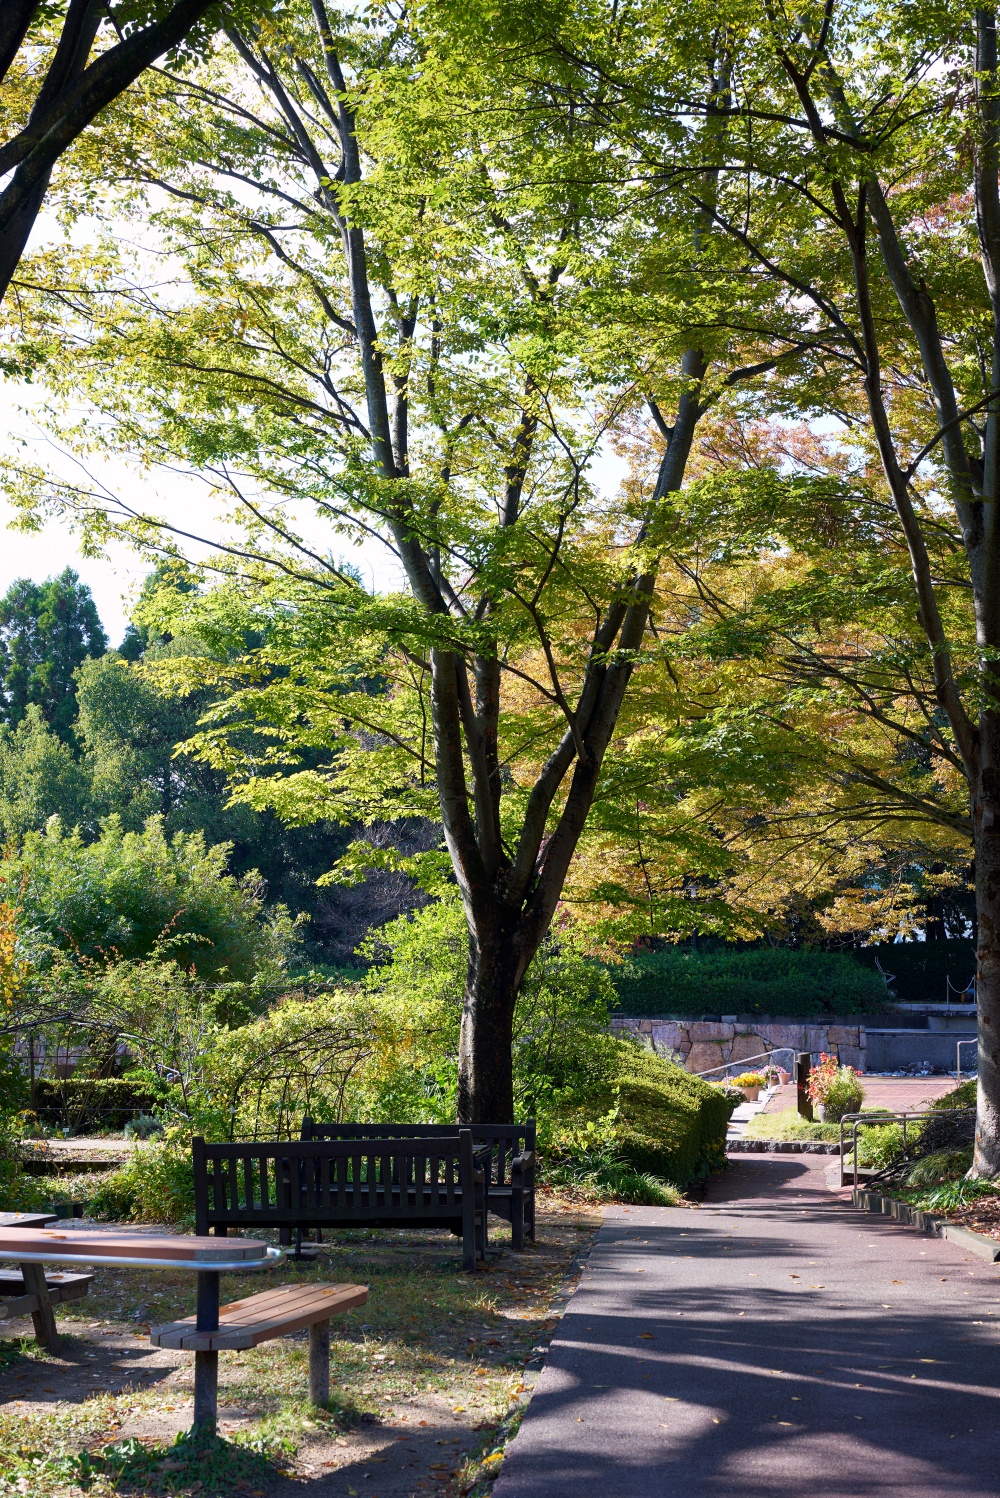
(115, 579)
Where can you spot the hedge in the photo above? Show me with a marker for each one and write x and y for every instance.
(920, 968)
(669, 1123)
(758, 980)
(109, 1102)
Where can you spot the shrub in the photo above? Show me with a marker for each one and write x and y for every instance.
(761, 980)
(652, 1115)
(845, 1094)
(879, 1144)
(155, 1184)
(945, 1165)
(962, 1096)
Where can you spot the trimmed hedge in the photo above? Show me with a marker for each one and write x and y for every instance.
(759, 980)
(106, 1102)
(669, 1123)
(920, 968)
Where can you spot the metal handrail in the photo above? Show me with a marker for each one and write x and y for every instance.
(887, 1115)
(761, 1056)
(958, 1056)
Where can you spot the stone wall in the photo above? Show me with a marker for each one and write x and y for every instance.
(702, 1044)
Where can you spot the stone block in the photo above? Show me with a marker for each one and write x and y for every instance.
(745, 1046)
(843, 1034)
(792, 1035)
(817, 1038)
(703, 1055)
(851, 1055)
(706, 1029)
(668, 1036)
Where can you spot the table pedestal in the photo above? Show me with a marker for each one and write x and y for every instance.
(206, 1364)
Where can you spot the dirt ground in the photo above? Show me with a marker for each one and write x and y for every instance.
(422, 1378)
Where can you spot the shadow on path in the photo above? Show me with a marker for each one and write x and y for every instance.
(771, 1342)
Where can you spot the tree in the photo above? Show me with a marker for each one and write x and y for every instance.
(40, 778)
(882, 135)
(57, 78)
(132, 895)
(502, 296)
(47, 630)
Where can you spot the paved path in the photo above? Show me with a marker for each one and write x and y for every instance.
(774, 1343)
(880, 1092)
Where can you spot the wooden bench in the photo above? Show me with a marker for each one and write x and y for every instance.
(361, 1183)
(272, 1313)
(510, 1163)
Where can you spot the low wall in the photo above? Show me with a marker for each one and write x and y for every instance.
(891, 1049)
(702, 1044)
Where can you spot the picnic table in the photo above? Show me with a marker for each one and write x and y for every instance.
(30, 1291)
(244, 1323)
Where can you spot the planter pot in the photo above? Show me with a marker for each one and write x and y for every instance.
(750, 1093)
(784, 1077)
(821, 1113)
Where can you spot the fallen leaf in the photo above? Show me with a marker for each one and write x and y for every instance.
(649, 1336)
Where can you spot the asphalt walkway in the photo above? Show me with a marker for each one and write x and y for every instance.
(772, 1343)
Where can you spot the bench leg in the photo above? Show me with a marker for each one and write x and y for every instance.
(319, 1364)
(517, 1222)
(206, 1394)
(44, 1319)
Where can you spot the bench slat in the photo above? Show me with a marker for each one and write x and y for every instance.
(259, 1318)
(60, 1286)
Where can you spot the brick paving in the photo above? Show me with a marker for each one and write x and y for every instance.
(880, 1092)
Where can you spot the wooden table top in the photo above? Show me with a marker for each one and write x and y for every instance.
(177, 1250)
(27, 1219)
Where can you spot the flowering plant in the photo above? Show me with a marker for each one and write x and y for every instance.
(821, 1078)
(750, 1079)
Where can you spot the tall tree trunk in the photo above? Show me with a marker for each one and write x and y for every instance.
(986, 823)
(485, 1062)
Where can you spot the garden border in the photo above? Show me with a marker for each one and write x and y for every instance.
(927, 1222)
(782, 1147)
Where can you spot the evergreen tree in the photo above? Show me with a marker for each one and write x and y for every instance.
(47, 630)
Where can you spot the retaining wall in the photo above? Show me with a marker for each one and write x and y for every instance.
(701, 1044)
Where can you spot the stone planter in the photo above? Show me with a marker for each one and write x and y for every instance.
(750, 1093)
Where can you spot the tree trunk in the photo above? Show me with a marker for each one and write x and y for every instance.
(986, 822)
(485, 1060)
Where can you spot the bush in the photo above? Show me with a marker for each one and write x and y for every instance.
(130, 894)
(761, 980)
(845, 1094)
(84, 1102)
(962, 1096)
(156, 1184)
(649, 1114)
(945, 1165)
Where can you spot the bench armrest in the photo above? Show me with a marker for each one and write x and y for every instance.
(523, 1164)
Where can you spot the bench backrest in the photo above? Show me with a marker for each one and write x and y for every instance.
(302, 1182)
(505, 1140)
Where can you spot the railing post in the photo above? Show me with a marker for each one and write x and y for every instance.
(802, 1065)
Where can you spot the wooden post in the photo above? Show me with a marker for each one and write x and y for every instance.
(803, 1062)
(44, 1319)
(206, 1364)
(319, 1363)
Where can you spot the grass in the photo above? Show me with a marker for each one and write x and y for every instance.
(787, 1125)
(436, 1357)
